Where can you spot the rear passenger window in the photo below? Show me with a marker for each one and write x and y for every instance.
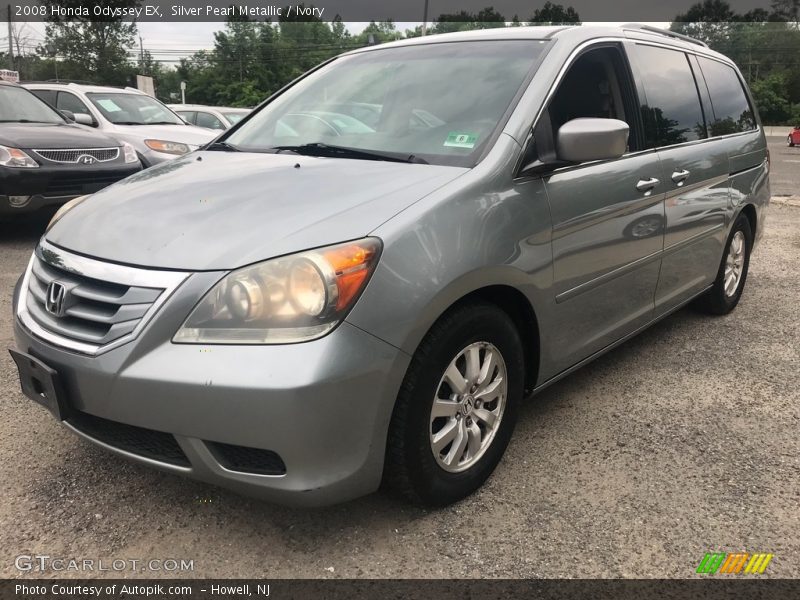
(673, 114)
(732, 111)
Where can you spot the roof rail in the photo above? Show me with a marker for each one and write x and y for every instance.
(665, 32)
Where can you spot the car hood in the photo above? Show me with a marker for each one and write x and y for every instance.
(186, 134)
(222, 210)
(47, 135)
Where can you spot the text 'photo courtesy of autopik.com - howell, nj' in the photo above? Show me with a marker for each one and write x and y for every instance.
(403, 299)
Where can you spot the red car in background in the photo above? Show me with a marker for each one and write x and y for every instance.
(794, 136)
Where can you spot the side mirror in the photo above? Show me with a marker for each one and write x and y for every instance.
(586, 139)
(68, 115)
(84, 119)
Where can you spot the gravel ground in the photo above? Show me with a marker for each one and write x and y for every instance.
(682, 441)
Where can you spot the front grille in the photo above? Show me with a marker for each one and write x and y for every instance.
(247, 460)
(87, 305)
(76, 155)
(79, 184)
(92, 311)
(148, 443)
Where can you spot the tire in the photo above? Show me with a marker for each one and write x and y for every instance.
(719, 300)
(413, 467)
(789, 140)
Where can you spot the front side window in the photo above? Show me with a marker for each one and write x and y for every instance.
(437, 102)
(208, 121)
(72, 103)
(596, 86)
(673, 113)
(732, 112)
(133, 109)
(18, 105)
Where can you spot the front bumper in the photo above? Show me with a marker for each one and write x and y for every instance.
(323, 406)
(55, 184)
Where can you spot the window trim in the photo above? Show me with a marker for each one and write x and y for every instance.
(626, 42)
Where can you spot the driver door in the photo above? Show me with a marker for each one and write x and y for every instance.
(607, 216)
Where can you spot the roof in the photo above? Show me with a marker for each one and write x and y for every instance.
(572, 34)
(81, 87)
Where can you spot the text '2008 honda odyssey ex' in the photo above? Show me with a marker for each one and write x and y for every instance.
(362, 280)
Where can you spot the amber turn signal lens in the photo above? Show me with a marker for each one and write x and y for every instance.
(351, 264)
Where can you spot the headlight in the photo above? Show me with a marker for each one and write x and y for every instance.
(285, 300)
(129, 152)
(167, 147)
(13, 157)
(65, 208)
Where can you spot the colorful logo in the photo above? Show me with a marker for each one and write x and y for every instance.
(734, 562)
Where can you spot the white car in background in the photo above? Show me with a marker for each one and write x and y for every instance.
(210, 117)
(128, 115)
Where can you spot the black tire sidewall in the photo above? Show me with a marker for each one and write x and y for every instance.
(724, 302)
(481, 323)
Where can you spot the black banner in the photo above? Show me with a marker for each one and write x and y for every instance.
(349, 10)
(604, 589)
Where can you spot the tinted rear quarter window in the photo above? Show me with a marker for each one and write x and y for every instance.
(672, 114)
(732, 111)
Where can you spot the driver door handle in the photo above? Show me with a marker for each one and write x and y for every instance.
(646, 185)
(680, 176)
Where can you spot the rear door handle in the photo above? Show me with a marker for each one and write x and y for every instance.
(646, 185)
(680, 176)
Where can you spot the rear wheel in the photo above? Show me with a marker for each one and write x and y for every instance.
(457, 406)
(790, 141)
(723, 297)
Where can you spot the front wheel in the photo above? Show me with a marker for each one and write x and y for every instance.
(723, 297)
(457, 406)
(790, 141)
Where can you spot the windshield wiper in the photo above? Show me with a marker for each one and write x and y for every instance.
(327, 150)
(128, 123)
(163, 123)
(224, 146)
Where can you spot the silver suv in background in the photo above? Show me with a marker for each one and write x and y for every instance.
(331, 300)
(128, 115)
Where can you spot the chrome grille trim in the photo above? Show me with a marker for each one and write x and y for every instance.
(72, 155)
(113, 302)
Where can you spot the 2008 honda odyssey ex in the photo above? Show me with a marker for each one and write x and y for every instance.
(362, 280)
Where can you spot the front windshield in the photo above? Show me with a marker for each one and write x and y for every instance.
(18, 105)
(133, 109)
(437, 102)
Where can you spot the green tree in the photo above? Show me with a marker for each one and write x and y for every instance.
(95, 49)
(771, 95)
(555, 14)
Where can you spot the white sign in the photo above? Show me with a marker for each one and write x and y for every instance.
(12, 76)
(145, 84)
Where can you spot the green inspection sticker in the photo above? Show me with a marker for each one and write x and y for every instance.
(460, 139)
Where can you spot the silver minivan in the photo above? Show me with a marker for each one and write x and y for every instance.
(360, 282)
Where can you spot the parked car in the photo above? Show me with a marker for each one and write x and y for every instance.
(157, 133)
(322, 308)
(210, 117)
(793, 139)
(47, 160)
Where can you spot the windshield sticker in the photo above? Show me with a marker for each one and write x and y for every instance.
(109, 105)
(460, 139)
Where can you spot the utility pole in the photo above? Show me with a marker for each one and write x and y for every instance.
(141, 56)
(425, 19)
(10, 39)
